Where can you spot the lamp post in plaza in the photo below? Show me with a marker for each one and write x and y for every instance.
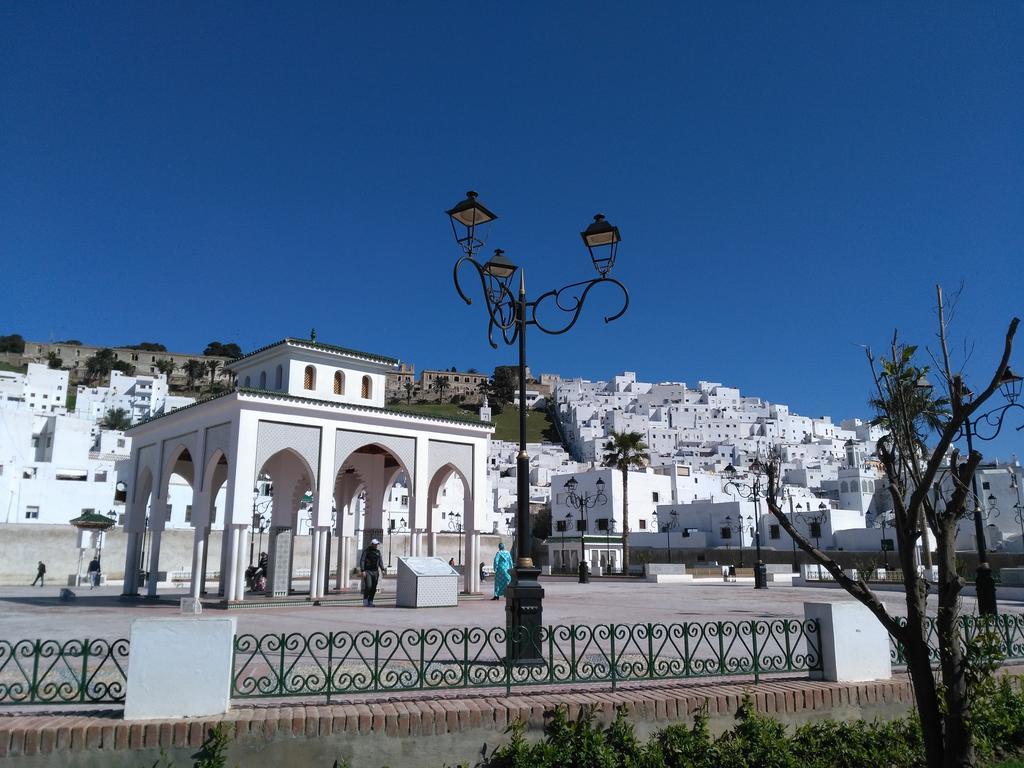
(1018, 509)
(752, 492)
(885, 543)
(455, 524)
(581, 503)
(739, 526)
(562, 525)
(667, 528)
(813, 521)
(985, 427)
(510, 313)
(259, 520)
(393, 529)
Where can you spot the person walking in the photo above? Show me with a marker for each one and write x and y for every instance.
(40, 574)
(94, 573)
(371, 566)
(502, 571)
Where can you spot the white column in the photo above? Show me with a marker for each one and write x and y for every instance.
(432, 544)
(154, 563)
(198, 558)
(228, 572)
(131, 564)
(339, 577)
(419, 510)
(314, 560)
(321, 565)
(241, 537)
(206, 557)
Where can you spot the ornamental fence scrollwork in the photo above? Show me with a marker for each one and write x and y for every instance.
(70, 672)
(1009, 628)
(386, 661)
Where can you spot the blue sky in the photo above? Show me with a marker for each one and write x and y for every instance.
(790, 179)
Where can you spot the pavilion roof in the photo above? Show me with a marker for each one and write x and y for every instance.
(93, 520)
(318, 345)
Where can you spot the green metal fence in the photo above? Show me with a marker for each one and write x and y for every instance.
(341, 663)
(71, 672)
(1009, 627)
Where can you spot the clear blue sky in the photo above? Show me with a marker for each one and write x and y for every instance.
(791, 179)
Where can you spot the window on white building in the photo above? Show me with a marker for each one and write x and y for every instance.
(31, 513)
(726, 533)
(169, 508)
(120, 442)
(654, 496)
(188, 513)
(643, 525)
(773, 532)
(100, 476)
(29, 473)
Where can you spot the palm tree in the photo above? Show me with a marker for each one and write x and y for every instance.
(99, 365)
(194, 369)
(440, 385)
(409, 388)
(117, 418)
(626, 451)
(165, 366)
(212, 366)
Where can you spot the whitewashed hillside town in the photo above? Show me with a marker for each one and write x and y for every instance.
(56, 464)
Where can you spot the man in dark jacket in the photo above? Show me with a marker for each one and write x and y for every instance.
(371, 565)
(40, 574)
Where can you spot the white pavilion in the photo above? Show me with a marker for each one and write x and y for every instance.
(310, 417)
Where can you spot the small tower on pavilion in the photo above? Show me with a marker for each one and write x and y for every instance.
(485, 410)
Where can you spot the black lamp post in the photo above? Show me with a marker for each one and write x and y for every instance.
(510, 313)
(792, 521)
(986, 427)
(884, 543)
(813, 521)
(581, 503)
(1018, 509)
(752, 492)
(667, 528)
(739, 526)
(562, 525)
(455, 524)
(259, 521)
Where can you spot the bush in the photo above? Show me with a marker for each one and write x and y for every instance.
(756, 741)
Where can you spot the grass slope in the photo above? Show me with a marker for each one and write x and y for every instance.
(506, 424)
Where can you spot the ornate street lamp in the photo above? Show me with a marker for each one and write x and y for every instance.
(739, 526)
(259, 520)
(667, 529)
(1018, 509)
(752, 491)
(510, 314)
(562, 525)
(455, 524)
(581, 503)
(813, 521)
(986, 427)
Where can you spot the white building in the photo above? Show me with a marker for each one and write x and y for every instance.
(141, 397)
(51, 470)
(595, 526)
(40, 389)
(308, 418)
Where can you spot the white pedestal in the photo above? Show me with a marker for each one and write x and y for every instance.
(179, 667)
(854, 644)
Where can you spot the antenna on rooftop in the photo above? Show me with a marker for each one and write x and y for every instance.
(312, 334)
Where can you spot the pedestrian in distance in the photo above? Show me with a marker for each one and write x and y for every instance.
(451, 562)
(502, 571)
(94, 573)
(371, 566)
(40, 574)
(483, 573)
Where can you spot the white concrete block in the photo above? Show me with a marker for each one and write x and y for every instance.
(854, 644)
(179, 667)
(191, 606)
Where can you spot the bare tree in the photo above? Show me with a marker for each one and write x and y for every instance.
(917, 416)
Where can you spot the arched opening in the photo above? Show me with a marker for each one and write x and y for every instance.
(367, 388)
(309, 378)
(339, 383)
(263, 379)
(282, 520)
(279, 378)
(248, 382)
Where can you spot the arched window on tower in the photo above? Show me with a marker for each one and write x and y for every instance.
(309, 379)
(248, 382)
(263, 379)
(279, 378)
(367, 392)
(845, 487)
(339, 383)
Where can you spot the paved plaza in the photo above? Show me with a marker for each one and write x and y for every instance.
(31, 613)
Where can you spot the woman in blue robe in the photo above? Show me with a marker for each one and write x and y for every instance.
(502, 571)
